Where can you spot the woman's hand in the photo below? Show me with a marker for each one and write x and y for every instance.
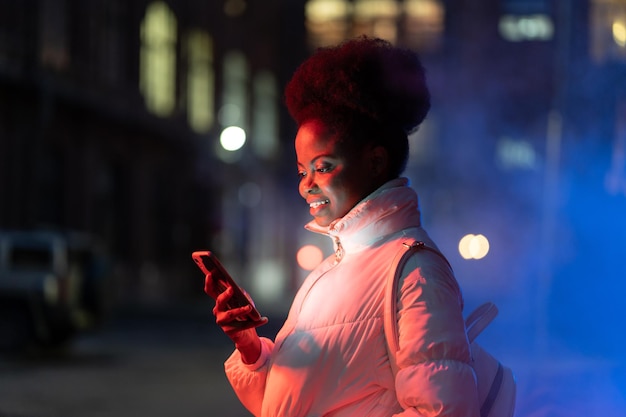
(245, 338)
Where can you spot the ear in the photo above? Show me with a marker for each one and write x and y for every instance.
(378, 161)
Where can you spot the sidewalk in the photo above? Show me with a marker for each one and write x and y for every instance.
(169, 362)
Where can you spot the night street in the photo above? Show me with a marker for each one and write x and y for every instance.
(169, 363)
(136, 132)
(139, 365)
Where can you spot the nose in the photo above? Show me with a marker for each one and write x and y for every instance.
(307, 185)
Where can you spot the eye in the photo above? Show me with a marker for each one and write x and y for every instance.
(323, 168)
(301, 174)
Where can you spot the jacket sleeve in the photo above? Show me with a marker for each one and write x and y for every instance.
(434, 376)
(248, 380)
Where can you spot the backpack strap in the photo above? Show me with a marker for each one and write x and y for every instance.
(480, 318)
(475, 323)
(390, 319)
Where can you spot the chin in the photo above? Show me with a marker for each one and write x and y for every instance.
(323, 221)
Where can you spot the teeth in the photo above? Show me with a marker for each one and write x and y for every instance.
(316, 204)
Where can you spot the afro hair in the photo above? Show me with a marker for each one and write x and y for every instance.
(360, 78)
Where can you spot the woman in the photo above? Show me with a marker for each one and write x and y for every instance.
(354, 105)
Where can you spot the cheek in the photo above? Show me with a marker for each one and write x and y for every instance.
(344, 197)
(353, 190)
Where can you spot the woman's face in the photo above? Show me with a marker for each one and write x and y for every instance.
(332, 180)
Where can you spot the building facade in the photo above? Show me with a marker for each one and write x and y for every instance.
(114, 116)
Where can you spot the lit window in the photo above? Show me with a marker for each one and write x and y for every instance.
(608, 30)
(420, 22)
(516, 28)
(234, 8)
(235, 97)
(233, 115)
(619, 32)
(327, 21)
(53, 36)
(376, 9)
(158, 59)
(516, 154)
(200, 81)
(377, 18)
(318, 11)
(424, 23)
(265, 116)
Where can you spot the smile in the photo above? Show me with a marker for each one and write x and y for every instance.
(316, 204)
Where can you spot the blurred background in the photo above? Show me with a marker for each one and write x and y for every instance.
(134, 132)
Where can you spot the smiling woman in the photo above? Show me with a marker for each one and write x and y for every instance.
(354, 105)
(332, 180)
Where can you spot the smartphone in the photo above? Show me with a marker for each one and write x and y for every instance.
(220, 281)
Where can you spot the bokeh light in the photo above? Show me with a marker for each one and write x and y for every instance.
(619, 33)
(473, 246)
(233, 138)
(309, 256)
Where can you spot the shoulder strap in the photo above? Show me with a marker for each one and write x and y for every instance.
(480, 318)
(390, 319)
(475, 323)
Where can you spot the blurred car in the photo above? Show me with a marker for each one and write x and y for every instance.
(52, 286)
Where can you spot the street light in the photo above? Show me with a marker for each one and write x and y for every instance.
(233, 138)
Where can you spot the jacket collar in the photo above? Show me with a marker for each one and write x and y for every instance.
(389, 209)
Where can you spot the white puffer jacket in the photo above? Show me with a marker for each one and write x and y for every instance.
(330, 357)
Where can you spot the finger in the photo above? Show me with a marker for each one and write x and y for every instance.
(221, 304)
(229, 316)
(212, 285)
(208, 285)
(221, 301)
(235, 327)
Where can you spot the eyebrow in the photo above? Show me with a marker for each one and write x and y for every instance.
(324, 155)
